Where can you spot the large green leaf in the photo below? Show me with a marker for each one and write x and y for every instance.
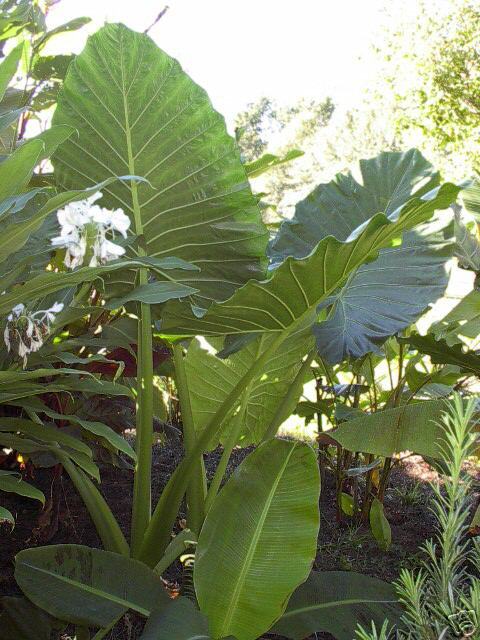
(6, 516)
(34, 405)
(384, 296)
(87, 586)
(211, 379)
(467, 246)
(259, 540)
(336, 601)
(43, 433)
(298, 286)
(137, 112)
(414, 427)
(181, 620)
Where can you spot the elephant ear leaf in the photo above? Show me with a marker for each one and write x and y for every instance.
(382, 297)
(138, 113)
(336, 602)
(293, 293)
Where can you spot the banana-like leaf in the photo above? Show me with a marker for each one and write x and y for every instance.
(298, 286)
(210, 380)
(17, 169)
(88, 386)
(415, 427)
(97, 428)
(13, 483)
(336, 601)
(136, 111)
(44, 445)
(269, 161)
(441, 352)
(390, 293)
(181, 620)
(87, 586)
(180, 543)
(44, 433)
(259, 540)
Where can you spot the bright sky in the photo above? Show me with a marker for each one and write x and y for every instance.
(239, 50)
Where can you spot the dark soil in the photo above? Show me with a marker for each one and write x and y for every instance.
(340, 546)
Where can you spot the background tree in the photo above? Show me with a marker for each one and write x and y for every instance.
(266, 126)
(424, 93)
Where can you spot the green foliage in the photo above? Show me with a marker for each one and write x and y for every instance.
(386, 295)
(87, 586)
(334, 601)
(441, 599)
(140, 114)
(379, 525)
(413, 427)
(131, 123)
(274, 495)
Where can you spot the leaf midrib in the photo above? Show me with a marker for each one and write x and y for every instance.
(128, 604)
(253, 546)
(334, 603)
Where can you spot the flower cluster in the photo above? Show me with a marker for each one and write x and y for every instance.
(25, 332)
(84, 229)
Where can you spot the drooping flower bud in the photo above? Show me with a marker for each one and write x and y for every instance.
(25, 332)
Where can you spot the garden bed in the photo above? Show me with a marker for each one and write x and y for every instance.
(340, 546)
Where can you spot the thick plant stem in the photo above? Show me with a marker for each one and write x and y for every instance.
(142, 499)
(157, 536)
(197, 488)
(233, 434)
(142, 507)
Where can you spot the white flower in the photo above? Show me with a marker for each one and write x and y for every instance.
(6, 337)
(17, 311)
(112, 220)
(84, 226)
(25, 332)
(110, 251)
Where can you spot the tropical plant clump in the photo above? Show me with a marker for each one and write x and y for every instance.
(164, 290)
